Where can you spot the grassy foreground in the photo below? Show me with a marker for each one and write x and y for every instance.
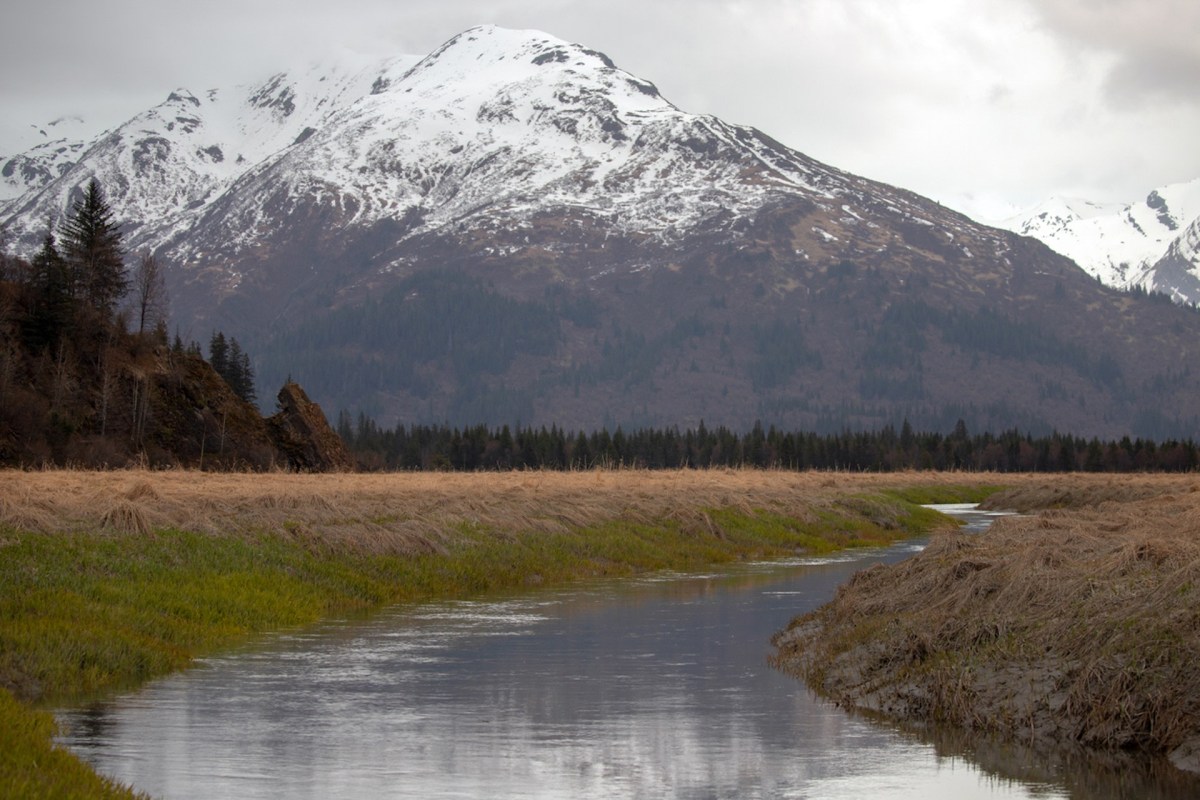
(110, 579)
(1076, 625)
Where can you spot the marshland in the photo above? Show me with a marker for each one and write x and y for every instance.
(116, 578)
(1075, 625)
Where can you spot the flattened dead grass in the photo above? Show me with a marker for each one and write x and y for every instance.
(414, 512)
(1080, 624)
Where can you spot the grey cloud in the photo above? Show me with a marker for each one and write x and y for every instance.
(1171, 73)
(1155, 43)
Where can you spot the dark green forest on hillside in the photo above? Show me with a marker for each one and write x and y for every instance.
(407, 335)
(901, 336)
(447, 343)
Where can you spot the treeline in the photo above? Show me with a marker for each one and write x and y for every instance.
(429, 447)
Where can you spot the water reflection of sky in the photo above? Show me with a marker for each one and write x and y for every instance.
(650, 688)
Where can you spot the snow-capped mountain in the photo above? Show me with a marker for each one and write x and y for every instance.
(1125, 245)
(486, 133)
(513, 228)
(46, 152)
(162, 167)
(1178, 271)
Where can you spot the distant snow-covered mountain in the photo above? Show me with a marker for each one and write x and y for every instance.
(1141, 244)
(487, 131)
(46, 152)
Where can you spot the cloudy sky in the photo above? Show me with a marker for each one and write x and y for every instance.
(981, 104)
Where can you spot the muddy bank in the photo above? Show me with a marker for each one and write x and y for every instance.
(1078, 625)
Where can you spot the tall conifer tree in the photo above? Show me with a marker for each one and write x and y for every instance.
(50, 313)
(218, 353)
(92, 248)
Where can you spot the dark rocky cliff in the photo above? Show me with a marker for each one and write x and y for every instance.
(302, 435)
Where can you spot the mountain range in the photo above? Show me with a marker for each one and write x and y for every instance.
(513, 229)
(1151, 244)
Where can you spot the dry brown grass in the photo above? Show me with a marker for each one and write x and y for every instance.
(1079, 624)
(398, 512)
(406, 512)
(1034, 492)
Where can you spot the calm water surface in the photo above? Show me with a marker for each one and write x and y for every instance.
(657, 687)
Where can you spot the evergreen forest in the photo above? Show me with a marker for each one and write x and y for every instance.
(424, 447)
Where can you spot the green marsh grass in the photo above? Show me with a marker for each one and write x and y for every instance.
(31, 766)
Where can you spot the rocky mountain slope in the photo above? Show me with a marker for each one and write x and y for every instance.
(512, 229)
(1142, 244)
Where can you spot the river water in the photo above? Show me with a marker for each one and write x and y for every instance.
(654, 687)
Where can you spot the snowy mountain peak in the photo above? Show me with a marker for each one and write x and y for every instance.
(489, 132)
(1057, 212)
(1121, 244)
(491, 69)
(480, 48)
(495, 126)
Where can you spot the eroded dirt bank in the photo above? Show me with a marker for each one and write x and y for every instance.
(1076, 624)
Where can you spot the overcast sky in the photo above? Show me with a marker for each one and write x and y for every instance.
(980, 104)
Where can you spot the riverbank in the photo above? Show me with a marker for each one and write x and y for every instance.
(1077, 625)
(114, 578)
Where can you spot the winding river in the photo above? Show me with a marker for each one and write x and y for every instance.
(654, 687)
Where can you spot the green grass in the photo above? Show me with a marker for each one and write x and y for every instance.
(88, 613)
(32, 766)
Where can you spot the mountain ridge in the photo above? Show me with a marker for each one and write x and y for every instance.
(514, 229)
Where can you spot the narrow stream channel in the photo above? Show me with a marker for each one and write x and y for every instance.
(656, 687)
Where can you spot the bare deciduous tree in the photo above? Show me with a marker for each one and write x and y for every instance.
(149, 292)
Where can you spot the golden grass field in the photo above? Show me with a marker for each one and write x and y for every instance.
(404, 512)
(411, 512)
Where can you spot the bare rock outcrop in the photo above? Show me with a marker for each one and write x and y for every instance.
(302, 434)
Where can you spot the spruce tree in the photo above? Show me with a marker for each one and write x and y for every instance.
(239, 374)
(218, 353)
(233, 365)
(247, 375)
(92, 248)
(50, 313)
